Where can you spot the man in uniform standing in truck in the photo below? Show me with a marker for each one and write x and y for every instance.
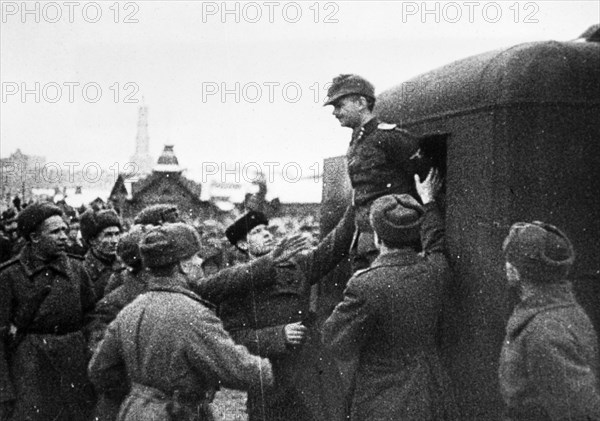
(379, 157)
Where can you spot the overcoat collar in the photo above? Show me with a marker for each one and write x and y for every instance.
(32, 265)
(98, 265)
(545, 298)
(397, 257)
(176, 283)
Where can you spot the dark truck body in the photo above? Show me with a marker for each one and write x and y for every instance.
(524, 145)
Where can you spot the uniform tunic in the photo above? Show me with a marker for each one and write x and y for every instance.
(379, 161)
(257, 320)
(100, 271)
(389, 321)
(549, 362)
(168, 340)
(46, 373)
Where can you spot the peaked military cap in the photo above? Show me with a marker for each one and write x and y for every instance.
(348, 84)
(240, 228)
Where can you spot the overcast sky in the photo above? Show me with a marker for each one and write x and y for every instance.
(272, 58)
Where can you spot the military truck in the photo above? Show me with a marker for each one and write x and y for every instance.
(524, 144)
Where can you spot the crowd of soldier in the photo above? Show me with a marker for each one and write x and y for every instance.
(137, 329)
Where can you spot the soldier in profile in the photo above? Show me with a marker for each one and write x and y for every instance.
(44, 297)
(549, 364)
(379, 156)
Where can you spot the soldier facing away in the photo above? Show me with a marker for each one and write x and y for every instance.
(388, 319)
(169, 343)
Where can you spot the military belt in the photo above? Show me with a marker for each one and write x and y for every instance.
(180, 406)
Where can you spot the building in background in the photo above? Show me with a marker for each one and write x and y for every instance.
(165, 184)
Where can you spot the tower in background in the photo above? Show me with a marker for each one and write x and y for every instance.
(142, 157)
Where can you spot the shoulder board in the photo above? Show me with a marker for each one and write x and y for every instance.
(75, 256)
(386, 126)
(9, 262)
(362, 271)
(394, 127)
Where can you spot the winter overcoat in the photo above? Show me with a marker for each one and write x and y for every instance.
(307, 379)
(170, 345)
(549, 361)
(100, 271)
(260, 272)
(45, 373)
(388, 320)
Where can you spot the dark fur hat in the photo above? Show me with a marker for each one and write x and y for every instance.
(93, 222)
(168, 244)
(396, 218)
(541, 252)
(240, 228)
(157, 215)
(33, 215)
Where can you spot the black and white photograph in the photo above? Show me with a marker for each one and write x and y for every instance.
(300, 210)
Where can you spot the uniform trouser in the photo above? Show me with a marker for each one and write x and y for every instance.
(363, 250)
(145, 403)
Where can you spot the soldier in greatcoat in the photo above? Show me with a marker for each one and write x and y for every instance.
(212, 288)
(169, 343)
(549, 364)
(276, 322)
(44, 296)
(388, 319)
(101, 231)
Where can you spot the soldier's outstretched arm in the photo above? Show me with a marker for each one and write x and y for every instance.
(256, 274)
(267, 342)
(212, 350)
(334, 247)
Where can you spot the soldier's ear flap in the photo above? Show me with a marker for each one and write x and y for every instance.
(34, 236)
(242, 245)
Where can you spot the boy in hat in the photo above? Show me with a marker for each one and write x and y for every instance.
(549, 364)
(276, 322)
(388, 319)
(169, 343)
(100, 231)
(44, 297)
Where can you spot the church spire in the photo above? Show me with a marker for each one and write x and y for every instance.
(142, 157)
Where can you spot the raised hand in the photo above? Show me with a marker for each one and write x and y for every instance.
(430, 187)
(295, 333)
(288, 247)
